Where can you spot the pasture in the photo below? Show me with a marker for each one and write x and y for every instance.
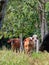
(8, 57)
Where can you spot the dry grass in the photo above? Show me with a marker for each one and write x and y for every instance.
(7, 57)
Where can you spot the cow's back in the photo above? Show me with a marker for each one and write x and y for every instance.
(16, 43)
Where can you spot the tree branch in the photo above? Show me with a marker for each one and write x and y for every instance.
(30, 5)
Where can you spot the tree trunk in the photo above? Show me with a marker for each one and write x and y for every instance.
(46, 28)
(21, 43)
(42, 18)
(2, 10)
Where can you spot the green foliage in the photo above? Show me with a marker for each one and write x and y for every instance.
(21, 17)
(47, 6)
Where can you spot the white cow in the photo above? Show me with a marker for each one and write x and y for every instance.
(36, 42)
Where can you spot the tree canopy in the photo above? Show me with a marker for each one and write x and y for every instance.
(21, 16)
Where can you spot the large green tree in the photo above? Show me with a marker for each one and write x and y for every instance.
(21, 16)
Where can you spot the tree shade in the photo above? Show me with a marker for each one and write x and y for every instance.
(45, 43)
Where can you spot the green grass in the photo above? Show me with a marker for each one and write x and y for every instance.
(7, 57)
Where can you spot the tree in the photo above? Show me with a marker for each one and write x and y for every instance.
(18, 19)
(2, 10)
(42, 18)
(22, 16)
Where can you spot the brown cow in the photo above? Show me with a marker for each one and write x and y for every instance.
(28, 45)
(31, 43)
(15, 43)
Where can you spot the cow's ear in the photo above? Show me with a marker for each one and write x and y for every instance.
(24, 40)
(32, 37)
(37, 37)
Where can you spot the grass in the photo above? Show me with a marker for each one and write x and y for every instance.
(7, 57)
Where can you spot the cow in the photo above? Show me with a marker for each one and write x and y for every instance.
(36, 42)
(28, 45)
(15, 44)
(31, 43)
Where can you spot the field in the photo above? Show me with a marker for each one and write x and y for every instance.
(7, 57)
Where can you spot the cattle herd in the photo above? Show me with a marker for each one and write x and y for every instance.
(29, 44)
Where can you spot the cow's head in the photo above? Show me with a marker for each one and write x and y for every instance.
(10, 40)
(35, 38)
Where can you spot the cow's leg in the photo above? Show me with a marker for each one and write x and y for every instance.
(13, 50)
(25, 50)
(16, 50)
(12, 46)
(37, 46)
